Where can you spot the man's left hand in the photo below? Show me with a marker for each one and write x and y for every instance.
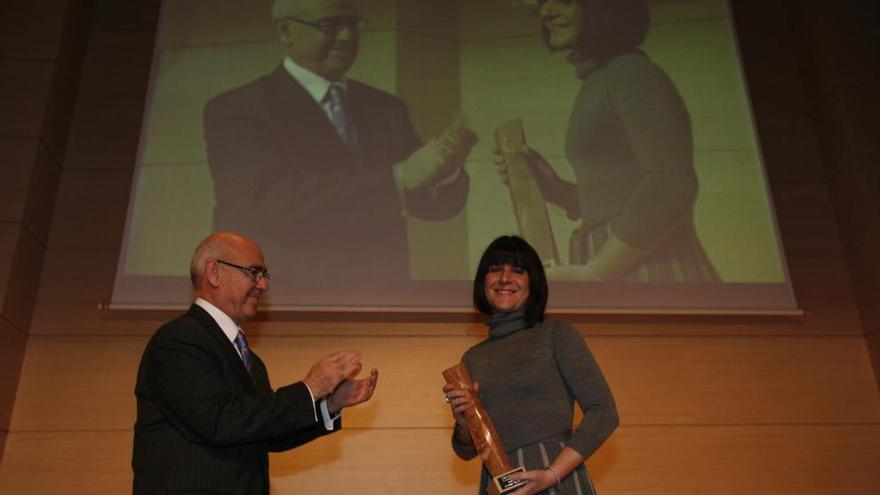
(353, 391)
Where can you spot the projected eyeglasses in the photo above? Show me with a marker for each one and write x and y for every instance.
(331, 26)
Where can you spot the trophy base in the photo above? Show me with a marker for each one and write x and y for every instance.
(504, 484)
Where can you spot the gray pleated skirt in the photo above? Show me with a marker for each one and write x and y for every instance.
(538, 456)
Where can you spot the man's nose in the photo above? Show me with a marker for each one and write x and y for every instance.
(345, 33)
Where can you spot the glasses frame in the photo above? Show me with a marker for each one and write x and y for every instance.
(256, 274)
(331, 26)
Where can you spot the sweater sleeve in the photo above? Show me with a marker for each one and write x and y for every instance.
(585, 380)
(657, 126)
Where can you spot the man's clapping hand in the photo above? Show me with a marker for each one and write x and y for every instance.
(329, 372)
(353, 391)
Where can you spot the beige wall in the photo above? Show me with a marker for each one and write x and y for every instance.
(708, 404)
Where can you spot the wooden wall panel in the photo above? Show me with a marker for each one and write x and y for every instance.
(763, 27)
(806, 220)
(721, 460)
(773, 459)
(43, 187)
(117, 64)
(140, 15)
(17, 156)
(9, 232)
(104, 134)
(873, 342)
(791, 154)
(38, 463)
(855, 191)
(864, 266)
(23, 96)
(774, 85)
(11, 356)
(824, 291)
(693, 380)
(74, 283)
(24, 279)
(31, 29)
(90, 210)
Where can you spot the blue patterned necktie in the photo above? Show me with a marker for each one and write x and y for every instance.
(247, 356)
(338, 116)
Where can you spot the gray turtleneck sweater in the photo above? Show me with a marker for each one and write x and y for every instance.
(629, 143)
(529, 379)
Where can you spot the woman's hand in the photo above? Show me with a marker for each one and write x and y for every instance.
(459, 402)
(541, 169)
(555, 189)
(536, 482)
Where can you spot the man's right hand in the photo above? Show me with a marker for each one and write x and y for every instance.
(329, 372)
(438, 159)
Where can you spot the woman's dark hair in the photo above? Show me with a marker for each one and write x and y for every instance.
(610, 27)
(513, 251)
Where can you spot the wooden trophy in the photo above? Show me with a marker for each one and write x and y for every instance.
(529, 207)
(482, 430)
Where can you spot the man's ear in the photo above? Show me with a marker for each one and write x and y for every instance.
(212, 273)
(282, 29)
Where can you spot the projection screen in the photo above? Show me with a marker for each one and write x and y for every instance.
(654, 147)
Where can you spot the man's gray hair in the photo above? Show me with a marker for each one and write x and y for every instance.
(283, 8)
(215, 246)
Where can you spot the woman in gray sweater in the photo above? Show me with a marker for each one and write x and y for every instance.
(528, 374)
(629, 143)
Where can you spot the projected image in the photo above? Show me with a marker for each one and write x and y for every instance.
(375, 147)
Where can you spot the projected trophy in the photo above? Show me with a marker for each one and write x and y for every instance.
(482, 430)
(529, 207)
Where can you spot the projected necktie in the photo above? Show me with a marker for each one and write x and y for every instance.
(338, 116)
(246, 355)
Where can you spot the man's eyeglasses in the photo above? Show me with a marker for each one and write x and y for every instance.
(331, 26)
(256, 273)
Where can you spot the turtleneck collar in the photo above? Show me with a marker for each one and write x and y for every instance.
(583, 65)
(504, 324)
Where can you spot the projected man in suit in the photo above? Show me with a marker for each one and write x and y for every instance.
(206, 415)
(322, 168)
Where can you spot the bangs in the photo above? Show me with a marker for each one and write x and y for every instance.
(514, 259)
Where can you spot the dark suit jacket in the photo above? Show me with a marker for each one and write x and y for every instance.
(320, 210)
(203, 424)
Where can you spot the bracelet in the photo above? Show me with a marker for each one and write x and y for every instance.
(556, 474)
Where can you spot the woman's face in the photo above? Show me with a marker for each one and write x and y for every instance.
(563, 20)
(507, 288)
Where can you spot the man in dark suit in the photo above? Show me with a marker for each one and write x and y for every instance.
(206, 415)
(324, 169)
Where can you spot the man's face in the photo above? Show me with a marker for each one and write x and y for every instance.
(238, 292)
(319, 48)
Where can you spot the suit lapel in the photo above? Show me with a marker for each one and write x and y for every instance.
(304, 131)
(229, 352)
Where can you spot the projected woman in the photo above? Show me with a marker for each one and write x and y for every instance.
(629, 143)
